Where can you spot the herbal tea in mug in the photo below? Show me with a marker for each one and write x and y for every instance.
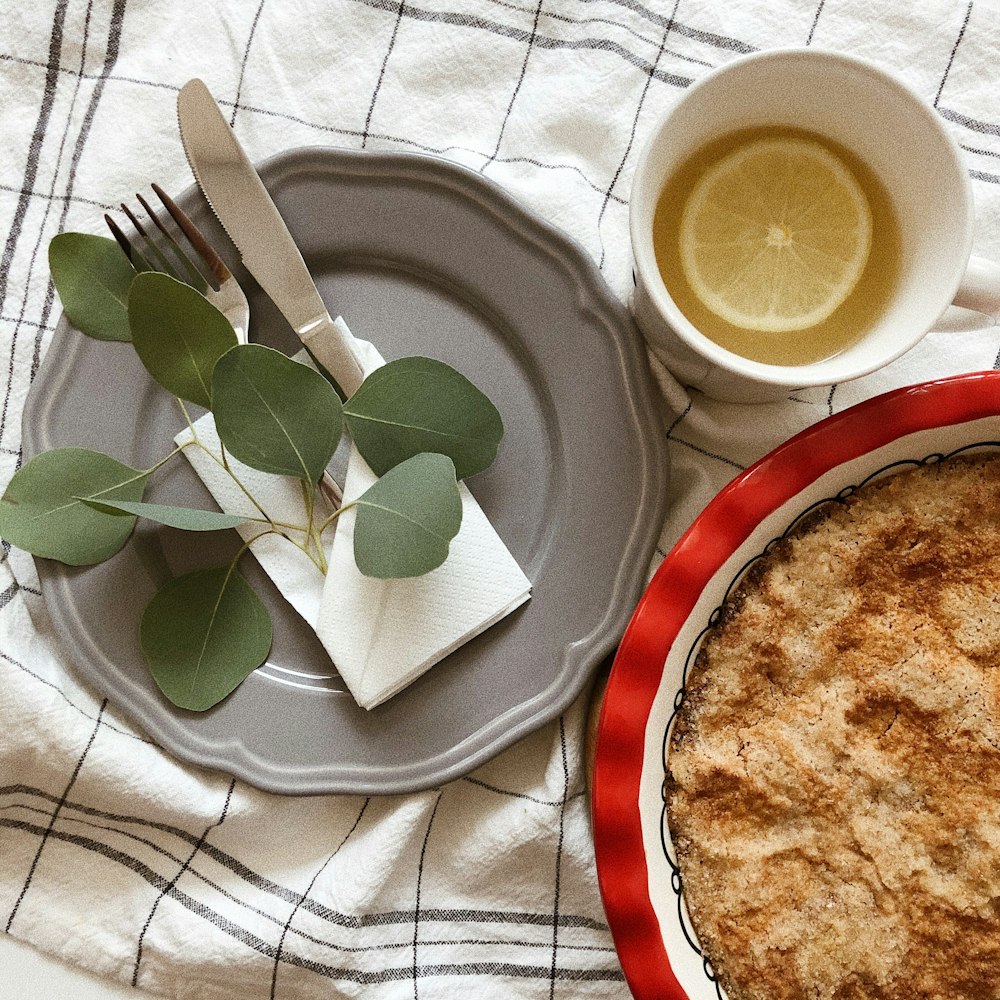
(778, 244)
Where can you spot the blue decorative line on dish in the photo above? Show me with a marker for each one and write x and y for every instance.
(676, 879)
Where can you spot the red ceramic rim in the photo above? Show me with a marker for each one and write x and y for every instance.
(635, 676)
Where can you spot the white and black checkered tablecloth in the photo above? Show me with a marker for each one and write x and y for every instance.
(183, 881)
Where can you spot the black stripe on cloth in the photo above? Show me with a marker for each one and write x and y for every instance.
(187, 864)
(416, 905)
(115, 78)
(34, 147)
(28, 322)
(517, 86)
(621, 25)
(635, 124)
(987, 128)
(305, 895)
(47, 833)
(77, 83)
(954, 49)
(48, 207)
(981, 175)
(386, 137)
(110, 58)
(8, 595)
(707, 453)
(258, 944)
(978, 151)
(319, 127)
(389, 137)
(381, 74)
(680, 418)
(75, 199)
(175, 859)
(812, 29)
(518, 34)
(17, 665)
(303, 935)
(319, 910)
(717, 41)
(468, 779)
(28, 180)
(556, 895)
(243, 64)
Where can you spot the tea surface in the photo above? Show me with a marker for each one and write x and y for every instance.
(846, 324)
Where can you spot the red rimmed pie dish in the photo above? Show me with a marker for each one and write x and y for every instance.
(640, 881)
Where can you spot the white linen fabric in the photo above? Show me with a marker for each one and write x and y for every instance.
(183, 881)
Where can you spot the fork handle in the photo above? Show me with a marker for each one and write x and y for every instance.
(330, 342)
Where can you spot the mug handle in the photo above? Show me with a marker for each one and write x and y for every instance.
(980, 287)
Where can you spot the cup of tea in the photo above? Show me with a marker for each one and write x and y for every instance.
(799, 218)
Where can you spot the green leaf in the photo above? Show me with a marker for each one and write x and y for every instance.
(275, 414)
(185, 518)
(40, 511)
(178, 334)
(92, 277)
(202, 635)
(407, 519)
(416, 405)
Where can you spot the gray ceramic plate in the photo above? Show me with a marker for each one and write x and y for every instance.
(421, 257)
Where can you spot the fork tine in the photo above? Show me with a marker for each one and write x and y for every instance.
(194, 276)
(213, 261)
(137, 260)
(162, 264)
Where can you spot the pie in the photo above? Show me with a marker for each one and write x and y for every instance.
(833, 775)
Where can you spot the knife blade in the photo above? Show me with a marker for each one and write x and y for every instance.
(249, 216)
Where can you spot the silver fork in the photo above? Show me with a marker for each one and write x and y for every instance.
(217, 285)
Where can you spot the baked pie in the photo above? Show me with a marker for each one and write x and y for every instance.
(833, 785)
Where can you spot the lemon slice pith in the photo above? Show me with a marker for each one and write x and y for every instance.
(775, 235)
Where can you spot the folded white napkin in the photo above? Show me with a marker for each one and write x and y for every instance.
(293, 572)
(381, 634)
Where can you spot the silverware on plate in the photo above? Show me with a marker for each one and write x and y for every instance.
(242, 204)
(169, 256)
(213, 279)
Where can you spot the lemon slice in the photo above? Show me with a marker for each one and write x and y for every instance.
(775, 235)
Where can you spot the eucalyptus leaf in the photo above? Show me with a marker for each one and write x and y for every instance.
(92, 277)
(178, 334)
(275, 414)
(41, 513)
(185, 518)
(202, 635)
(406, 520)
(416, 405)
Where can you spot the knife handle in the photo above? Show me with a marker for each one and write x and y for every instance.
(329, 341)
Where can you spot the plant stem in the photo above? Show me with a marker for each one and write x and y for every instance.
(163, 461)
(232, 475)
(309, 499)
(318, 559)
(143, 474)
(333, 517)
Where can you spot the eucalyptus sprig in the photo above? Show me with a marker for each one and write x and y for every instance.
(418, 423)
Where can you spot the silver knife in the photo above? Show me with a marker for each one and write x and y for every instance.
(238, 197)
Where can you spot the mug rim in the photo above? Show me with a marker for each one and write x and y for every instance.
(790, 376)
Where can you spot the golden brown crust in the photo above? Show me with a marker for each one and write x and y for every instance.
(834, 775)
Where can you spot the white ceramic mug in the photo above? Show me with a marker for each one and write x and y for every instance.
(901, 139)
